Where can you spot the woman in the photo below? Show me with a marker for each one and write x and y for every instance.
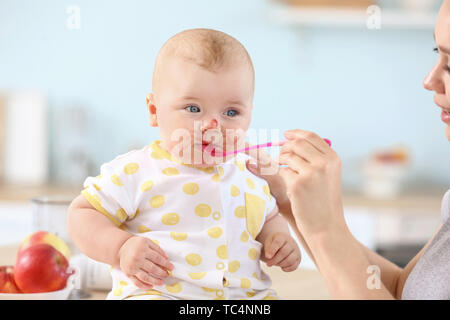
(308, 193)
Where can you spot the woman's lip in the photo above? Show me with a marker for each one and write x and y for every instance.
(445, 117)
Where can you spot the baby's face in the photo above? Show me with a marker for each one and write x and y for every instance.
(194, 107)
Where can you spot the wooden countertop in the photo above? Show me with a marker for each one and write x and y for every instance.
(301, 284)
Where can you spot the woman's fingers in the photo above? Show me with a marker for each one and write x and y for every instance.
(316, 141)
(296, 163)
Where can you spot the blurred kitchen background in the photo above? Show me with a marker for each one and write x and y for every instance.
(74, 76)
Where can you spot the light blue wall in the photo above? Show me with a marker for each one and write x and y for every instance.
(360, 88)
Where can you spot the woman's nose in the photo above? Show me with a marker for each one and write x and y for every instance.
(433, 81)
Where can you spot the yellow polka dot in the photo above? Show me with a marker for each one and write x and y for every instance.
(234, 191)
(269, 298)
(220, 293)
(244, 236)
(240, 165)
(234, 266)
(202, 210)
(157, 201)
(220, 265)
(131, 168)
(215, 232)
(123, 283)
(255, 275)
(155, 241)
(221, 172)
(170, 219)
(197, 275)
(117, 292)
(239, 212)
(255, 208)
(216, 215)
(156, 155)
(253, 254)
(115, 179)
(219, 298)
(174, 288)
(147, 185)
(215, 178)
(142, 229)
(170, 171)
(179, 236)
(121, 214)
(245, 283)
(97, 187)
(222, 252)
(250, 183)
(190, 188)
(193, 259)
(266, 190)
(250, 294)
(209, 289)
(209, 170)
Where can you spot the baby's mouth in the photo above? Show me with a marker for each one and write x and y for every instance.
(210, 148)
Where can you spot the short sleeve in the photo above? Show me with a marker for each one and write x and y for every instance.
(112, 192)
(445, 208)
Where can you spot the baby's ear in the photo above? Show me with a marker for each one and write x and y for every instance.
(149, 99)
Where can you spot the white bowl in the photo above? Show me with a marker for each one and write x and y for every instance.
(62, 294)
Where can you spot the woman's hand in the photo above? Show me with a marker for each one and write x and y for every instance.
(313, 182)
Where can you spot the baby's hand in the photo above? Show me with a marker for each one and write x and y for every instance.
(280, 249)
(144, 262)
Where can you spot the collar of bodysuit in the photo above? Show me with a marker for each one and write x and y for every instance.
(161, 153)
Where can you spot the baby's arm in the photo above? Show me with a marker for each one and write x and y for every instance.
(279, 248)
(97, 237)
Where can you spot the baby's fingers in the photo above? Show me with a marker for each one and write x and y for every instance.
(145, 280)
(159, 260)
(291, 262)
(155, 247)
(272, 245)
(281, 254)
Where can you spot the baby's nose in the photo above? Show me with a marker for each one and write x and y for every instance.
(210, 124)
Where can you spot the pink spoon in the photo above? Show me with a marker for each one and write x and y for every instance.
(264, 145)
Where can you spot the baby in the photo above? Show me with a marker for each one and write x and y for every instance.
(187, 222)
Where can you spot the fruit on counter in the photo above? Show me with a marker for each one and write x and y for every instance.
(48, 238)
(7, 282)
(41, 268)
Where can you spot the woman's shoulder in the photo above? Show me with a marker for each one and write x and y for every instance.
(445, 208)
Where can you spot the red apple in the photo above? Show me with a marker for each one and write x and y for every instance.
(41, 268)
(7, 283)
(45, 237)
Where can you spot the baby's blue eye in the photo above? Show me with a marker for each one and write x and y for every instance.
(193, 109)
(231, 113)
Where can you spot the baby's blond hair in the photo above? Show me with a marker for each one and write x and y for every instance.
(208, 48)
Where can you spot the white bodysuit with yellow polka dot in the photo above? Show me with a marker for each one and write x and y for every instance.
(205, 219)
